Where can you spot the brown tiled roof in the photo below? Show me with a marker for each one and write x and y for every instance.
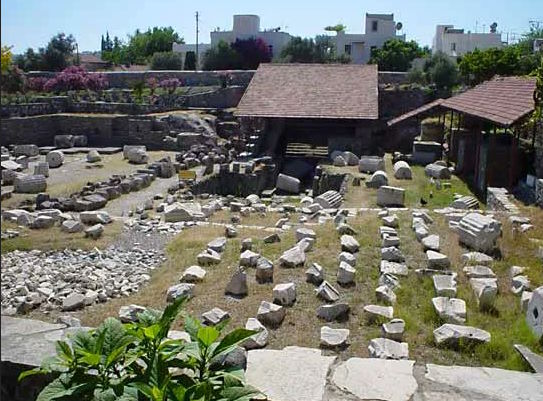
(312, 91)
(415, 112)
(502, 100)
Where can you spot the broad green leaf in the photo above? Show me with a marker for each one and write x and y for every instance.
(119, 351)
(152, 332)
(169, 315)
(82, 340)
(55, 364)
(148, 317)
(232, 339)
(241, 393)
(31, 372)
(177, 393)
(207, 336)
(114, 334)
(144, 388)
(64, 351)
(104, 395)
(54, 390)
(192, 326)
(192, 350)
(90, 359)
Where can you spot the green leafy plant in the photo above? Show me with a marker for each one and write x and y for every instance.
(138, 361)
(137, 91)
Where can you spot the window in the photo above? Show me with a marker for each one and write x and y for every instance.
(270, 47)
(453, 47)
(374, 26)
(348, 49)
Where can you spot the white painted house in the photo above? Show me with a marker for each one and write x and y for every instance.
(378, 29)
(455, 42)
(244, 27)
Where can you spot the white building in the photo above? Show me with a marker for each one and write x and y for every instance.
(455, 42)
(248, 26)
(378, 29)
(244, 27)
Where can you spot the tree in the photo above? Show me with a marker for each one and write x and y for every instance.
(441, 71)
(221, 57)
(336, 28)
(517, 59)
(396, 55)
(251, 53)
(166, 61)
(307, 50)
(30, 60)
(6, 58)
(58, 52)
(142, 45)
(190, 61)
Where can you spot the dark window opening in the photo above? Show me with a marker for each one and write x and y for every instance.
(374, 26)
(348, 49)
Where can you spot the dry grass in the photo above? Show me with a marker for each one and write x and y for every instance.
(301, 326)
(53, 238)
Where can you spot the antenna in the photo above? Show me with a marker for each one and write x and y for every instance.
(197, 58)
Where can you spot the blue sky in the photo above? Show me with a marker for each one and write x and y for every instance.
(30, 23)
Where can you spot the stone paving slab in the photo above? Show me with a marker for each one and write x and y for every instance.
(490, 384)
(292, 374)
(28, 342)
(376, 379)
(108, 150)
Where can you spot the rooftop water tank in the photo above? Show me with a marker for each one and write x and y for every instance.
(246, 24)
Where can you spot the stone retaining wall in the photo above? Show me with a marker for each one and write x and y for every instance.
(539, 192)
(221, 98)
(127, 79)
(238, 184)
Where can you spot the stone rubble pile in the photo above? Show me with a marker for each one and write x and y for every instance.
(72, 279)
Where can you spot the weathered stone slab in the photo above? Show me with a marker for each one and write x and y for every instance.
(334, 338)
(376, 379)
(292, 374)
(452, 310)
(476, 258)
(487, 383)
(383, 348)
(29, 184)
(287, 183)
(390, 196)
(534, 360)
(479, 232)
(486, 290)
(452, 334)
(445, 285)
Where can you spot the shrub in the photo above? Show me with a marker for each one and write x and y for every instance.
(13, 80)
(75, 78)
(134, 361)
(152, 84)
(170, 84)
(190, 61)
(36, 84)
(166, 61)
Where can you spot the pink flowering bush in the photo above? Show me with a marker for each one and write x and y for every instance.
(36, 84)
(170, 85)
(152, 84)
(75, 78)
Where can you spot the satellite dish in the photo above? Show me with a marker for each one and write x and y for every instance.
(399, 26)
(493, 27)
